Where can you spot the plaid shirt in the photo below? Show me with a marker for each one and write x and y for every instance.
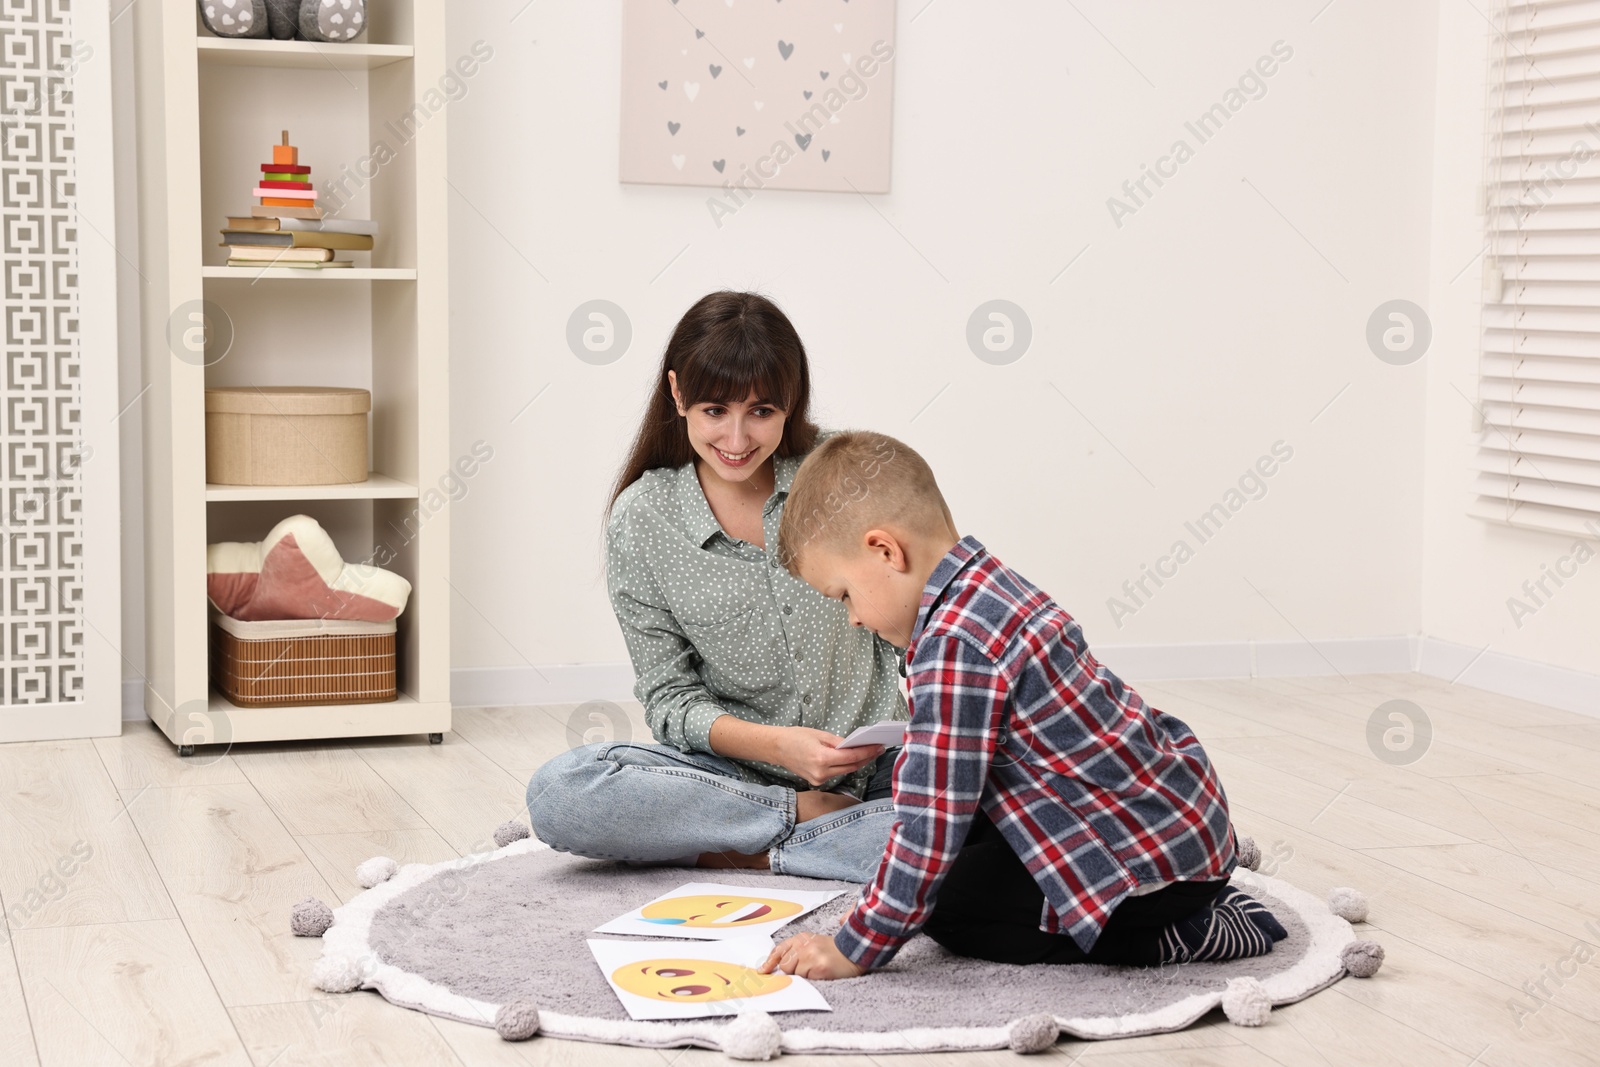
(1095, 790)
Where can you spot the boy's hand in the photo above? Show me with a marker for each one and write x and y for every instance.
(814, 755)
(811, 956)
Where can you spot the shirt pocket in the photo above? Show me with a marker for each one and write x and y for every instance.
(725, 592)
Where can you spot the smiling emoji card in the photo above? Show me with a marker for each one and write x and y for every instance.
(694, 979)
(714, 912)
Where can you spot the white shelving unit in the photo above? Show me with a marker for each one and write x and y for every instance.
(209, 110)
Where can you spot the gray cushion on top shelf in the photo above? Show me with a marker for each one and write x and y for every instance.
(283, 16)
(334, 21)
(235, 18)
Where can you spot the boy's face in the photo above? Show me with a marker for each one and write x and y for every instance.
(880, 596)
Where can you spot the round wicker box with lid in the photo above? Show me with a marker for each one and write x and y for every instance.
(286, 435)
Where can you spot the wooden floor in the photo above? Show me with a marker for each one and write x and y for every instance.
(146, 898)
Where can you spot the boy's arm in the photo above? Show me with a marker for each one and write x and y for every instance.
(958, 703)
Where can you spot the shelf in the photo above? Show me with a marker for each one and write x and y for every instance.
(232, 724)
(300, 274)
(376, 487)
(299, 55)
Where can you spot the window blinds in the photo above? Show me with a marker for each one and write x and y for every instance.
(1539, 390)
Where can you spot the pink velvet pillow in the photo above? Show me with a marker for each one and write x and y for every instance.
(297, 573)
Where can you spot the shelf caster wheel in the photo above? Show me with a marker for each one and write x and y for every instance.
(434, 739)
(186, 750)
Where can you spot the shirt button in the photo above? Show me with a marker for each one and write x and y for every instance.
(788, 609)
(806, 699)
(798, 657)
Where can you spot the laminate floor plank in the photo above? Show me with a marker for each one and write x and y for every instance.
(123, 993)
(69, 853)
(326, 789)
(234, 874)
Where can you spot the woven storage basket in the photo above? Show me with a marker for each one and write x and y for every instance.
(295, 661)
(276, 435)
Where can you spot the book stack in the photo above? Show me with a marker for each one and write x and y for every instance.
(286, 228)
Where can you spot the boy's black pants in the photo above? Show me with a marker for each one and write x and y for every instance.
(989, 908)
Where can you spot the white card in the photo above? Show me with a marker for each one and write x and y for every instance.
(714, 912)
(887, 734)
(694, 979)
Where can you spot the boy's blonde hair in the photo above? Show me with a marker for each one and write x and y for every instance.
(852, 482)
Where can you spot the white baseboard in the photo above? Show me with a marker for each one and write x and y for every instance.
(563, 683)
(1525, 679)
(1540, 683)
(1260, 659)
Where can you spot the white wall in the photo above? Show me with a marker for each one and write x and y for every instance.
(1194, 337)
(1472, 568)
(1220, 318)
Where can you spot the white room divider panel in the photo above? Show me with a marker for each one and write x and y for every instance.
(59, 568)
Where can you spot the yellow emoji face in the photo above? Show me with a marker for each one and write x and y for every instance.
(728, 913)
(695, 980)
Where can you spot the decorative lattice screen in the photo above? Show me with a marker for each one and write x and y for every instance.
(41, 427)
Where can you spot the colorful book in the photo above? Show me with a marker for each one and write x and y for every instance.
(284, 211)
(354, 242)
(276, 224)
(285, 194)
(296, 264)
(273, 255)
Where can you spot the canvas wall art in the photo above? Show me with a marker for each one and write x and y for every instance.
(746, 95)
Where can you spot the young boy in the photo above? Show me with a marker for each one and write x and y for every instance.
(1044, 812)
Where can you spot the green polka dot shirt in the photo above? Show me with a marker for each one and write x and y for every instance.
(716, 626)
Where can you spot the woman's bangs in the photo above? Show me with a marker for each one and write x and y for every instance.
(730, 378)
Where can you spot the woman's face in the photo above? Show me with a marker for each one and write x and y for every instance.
(734, 439)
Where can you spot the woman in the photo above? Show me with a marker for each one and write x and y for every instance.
(748, 676)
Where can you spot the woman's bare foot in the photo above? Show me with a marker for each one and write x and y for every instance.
(811, 803)
(740, 861)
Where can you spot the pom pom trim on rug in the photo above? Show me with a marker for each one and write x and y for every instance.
(753, 1035)
(1349, 904)
(377, 870)
(1033, 1033)
(510, 832)
(1249, 853)
(1327, 961)
(1362, 958)
(1246, 1002)
(310, 918)
(517, 1021)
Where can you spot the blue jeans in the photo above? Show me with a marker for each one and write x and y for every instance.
(654, 803)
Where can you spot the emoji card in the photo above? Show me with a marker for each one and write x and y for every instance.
(695, 979)
(712, 912)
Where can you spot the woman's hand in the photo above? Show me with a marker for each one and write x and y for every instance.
(811, 956)
(814, 755)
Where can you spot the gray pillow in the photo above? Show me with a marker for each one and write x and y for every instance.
(235, 18)
(283, 16)
(335, 21)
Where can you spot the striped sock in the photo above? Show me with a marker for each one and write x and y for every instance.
(1232, 927)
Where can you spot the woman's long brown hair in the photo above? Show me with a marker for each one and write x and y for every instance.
(725, 346)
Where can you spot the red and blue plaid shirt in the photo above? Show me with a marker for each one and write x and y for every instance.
(1095, 790)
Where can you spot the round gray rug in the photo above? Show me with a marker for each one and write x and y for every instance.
(463, 937)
